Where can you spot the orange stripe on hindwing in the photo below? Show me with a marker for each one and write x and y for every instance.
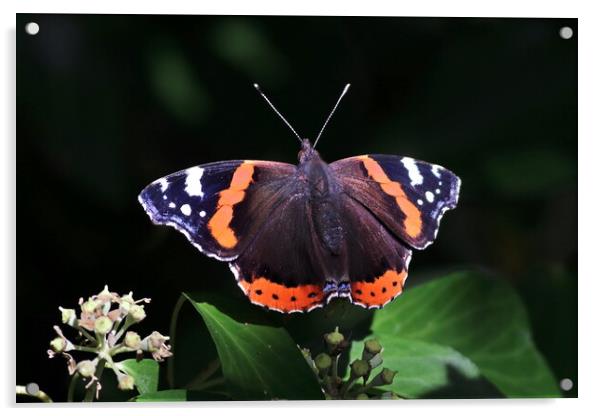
(276, 296)
(413, 221)
(219, 224)
(381, 291)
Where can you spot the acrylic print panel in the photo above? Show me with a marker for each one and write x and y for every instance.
(150, 167)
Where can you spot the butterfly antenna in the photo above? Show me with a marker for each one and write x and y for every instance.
(331, 113)
(276, 111)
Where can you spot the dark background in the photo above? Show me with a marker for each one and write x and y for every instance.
(107, 104)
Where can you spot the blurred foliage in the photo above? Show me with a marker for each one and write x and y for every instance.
(108, 103)
(175, 85)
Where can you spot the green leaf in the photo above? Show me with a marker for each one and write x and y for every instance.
(480, 318)
(422, 367)
(259, 359)
(145, 373)
(179, 395)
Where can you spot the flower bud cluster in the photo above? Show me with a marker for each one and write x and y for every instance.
(103, 323)
(325, 366)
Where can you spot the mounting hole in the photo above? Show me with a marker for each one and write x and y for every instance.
(32, 388)
(565, 32)
(32, 28)
(566, 384)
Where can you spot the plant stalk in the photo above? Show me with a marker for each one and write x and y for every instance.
(91, 391)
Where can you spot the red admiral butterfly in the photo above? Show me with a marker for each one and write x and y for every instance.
(298, 236)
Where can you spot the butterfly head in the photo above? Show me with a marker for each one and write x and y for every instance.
(307, 151)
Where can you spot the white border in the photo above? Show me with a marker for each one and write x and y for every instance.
(590, 137)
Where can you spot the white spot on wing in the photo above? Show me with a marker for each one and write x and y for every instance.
(194, 186)
(429, 196)
(415, 176)
(436, 170)
(172, 205)
(437, 191)
(186, 210)
(420, 202)
(152, 213)
(164, 184)
(202, 214)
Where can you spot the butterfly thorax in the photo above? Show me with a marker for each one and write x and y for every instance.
(323, 202)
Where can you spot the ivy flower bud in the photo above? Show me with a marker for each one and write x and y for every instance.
(126, 302)
(335, 341)
(156, 340)
(323, 362)
(89, 306)
(86, 368)
(385, 377)
(58, 344)
(68, 316)
(371, 348)
(132, 340)
(388, 375)
(103, 325)
(105, 296)
(334, 338)
(155, 344)
(137, 312)
(389, 395)
(125, 382)
(360, 368)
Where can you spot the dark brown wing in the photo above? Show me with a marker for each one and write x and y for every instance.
(280, 268)
(408, 196)
(218, 206)
(377, 261)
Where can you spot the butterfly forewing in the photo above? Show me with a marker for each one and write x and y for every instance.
(407, 195)
(216, 205)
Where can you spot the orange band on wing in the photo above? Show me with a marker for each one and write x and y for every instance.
(219, 224)
(378, 293)
(279, 297)
(413, 220)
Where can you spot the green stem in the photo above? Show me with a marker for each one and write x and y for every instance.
(347, 385)
(124, 328)
(86, 349)
(91, 391)
(118, 349)
(334, 370)
(86, 334)
(40, 395)
(71, 391)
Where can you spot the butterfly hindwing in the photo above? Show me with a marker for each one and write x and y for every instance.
(377, 261)
(408, 196)
(201, 202)
(280, 268)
